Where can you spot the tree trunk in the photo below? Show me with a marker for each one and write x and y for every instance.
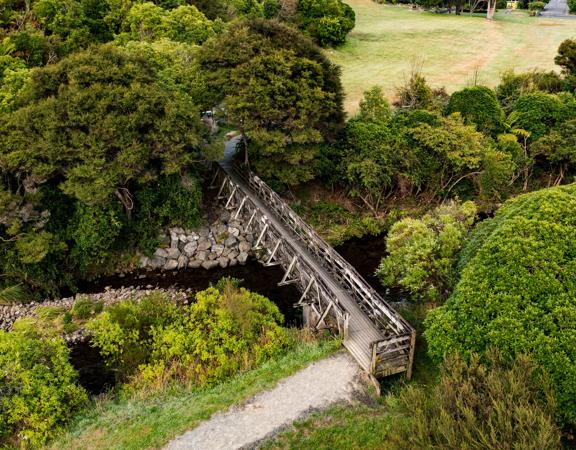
(458, 7)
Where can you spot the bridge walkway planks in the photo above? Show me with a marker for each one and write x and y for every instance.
(362, 332)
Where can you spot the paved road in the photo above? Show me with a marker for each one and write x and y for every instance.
(556, 8)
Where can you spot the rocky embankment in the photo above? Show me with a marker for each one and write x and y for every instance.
(10, 313)
(223, 244)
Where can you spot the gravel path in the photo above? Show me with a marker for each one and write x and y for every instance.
(316, 387)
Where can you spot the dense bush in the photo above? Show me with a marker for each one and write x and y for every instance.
(480, 404)
(86, 138)
(537, 113)
(478, 105)
(327, 21)
(517, 290)
(225, 330)
(262, 70)
(422, 253)
(38, 390)
(566, 57)
(513, 85)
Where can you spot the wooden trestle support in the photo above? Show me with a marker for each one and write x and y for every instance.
(334, 295)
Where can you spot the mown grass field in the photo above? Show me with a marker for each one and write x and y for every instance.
(389, 41)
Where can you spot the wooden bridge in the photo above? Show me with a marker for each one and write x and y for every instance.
(334, 295)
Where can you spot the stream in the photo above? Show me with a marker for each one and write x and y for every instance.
(364, 254)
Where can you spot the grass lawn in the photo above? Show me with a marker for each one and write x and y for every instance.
(153, 421)
(389, 41)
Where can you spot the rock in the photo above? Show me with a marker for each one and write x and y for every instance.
(223, 261)
(204, 232)
(161, 253)
(190, 248)
(182, 262)
(233, 254)
(173, 253)
(171, 264)
(218, 249)
(250, 238)
(233, 231)
(194, 264)
(156, 262)
(225, 216)
(193, 236)
(233, 262)
(212, 256)
(183, 238)
(242, 258)
(144, 261)
(173, 239)
(244, 247)
(221, 229)
(204, 244)
(209, 264)
(165, 239)
(202, 256)
(230, 242)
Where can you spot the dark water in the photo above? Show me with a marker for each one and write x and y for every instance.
(364, 254)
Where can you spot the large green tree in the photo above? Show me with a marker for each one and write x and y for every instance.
(280, 90)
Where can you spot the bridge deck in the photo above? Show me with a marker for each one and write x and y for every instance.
(362, 332)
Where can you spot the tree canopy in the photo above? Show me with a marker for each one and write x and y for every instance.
(517, 290)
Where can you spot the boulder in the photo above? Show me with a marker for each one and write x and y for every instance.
(204, 244)
(242, 258)
(173, 253)
(244, 247)
(182, 262)
(171, 264)
(202, 255)
(161, 253)
(194, 264)
(190, 248)
(209, 264)
(230, 242)
(218, 249)
(223, 261)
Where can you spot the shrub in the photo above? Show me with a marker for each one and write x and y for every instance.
(537, 113)
(478, 105)
(536, 6)
(566, 57)
(227, 329)
(326, 21)
(38, 390)
(123, 332)
(514, 85)
(479, 405)
(517, 290)
(422, 253)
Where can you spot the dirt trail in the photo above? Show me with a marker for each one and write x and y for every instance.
(316, 387)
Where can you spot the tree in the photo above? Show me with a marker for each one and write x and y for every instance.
(328, 22)
(99, 120)
(566, 59)
(537, 113)
(559, 147)
(374, 107)
(516, 291)
(422, 253)
(282, 92)
(478, 105)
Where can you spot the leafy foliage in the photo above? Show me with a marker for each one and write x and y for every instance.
(478, 105)
(39, 393)
(491, 404)
(567, 56)
(225, 330)
(517, 291)
(327, 21)
(280, 89)
(422, 253)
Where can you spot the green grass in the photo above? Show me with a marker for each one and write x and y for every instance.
(389, 40)
(363, 425)
(340, 427)
(153, 421)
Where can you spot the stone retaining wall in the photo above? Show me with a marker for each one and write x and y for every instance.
(223, 244)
